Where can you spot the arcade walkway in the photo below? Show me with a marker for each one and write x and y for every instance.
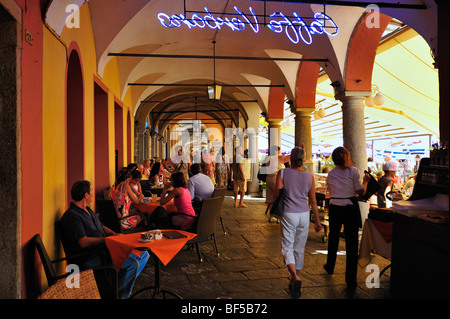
(250, 265)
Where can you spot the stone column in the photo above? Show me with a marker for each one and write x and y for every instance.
(139, 144)
(303, 133)
(354, 133)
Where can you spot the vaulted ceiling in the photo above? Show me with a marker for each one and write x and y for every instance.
(147, 52)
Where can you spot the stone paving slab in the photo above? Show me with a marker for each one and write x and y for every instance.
(250, 264)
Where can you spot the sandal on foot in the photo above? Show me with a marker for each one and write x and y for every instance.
(296, 289)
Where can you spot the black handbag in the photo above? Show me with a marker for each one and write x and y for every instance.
(278, 206)
(261, 176)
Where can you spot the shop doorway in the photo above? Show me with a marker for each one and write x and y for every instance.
(75, 123)
(101, 140)
(118, 124)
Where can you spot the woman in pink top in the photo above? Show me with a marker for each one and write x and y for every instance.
(182, 199)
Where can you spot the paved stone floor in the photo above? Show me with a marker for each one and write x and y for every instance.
(250, 265)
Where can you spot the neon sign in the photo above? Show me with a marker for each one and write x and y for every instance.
(295, 28)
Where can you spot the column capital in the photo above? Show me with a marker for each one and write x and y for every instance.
(344, 95)
(274, 121)
(306, 111)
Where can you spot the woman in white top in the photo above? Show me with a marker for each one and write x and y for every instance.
(344, 184)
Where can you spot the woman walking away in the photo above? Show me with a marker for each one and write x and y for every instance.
(344, 183)
(298, 186)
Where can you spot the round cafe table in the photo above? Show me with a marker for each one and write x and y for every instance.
(150, 207)
(163, 251)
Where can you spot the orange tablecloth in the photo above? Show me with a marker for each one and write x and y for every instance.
(150, 207)
(121, 246)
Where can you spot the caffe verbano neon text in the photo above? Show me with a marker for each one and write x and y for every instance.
(294, 27)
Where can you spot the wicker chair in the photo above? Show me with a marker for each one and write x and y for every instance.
(109, 286)
(87, 288)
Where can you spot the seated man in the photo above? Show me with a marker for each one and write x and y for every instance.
(200, 186)
(82, 229)
(387, 184)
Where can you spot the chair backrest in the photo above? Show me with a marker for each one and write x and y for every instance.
(211, 208)
(219, 192)
(105, 193)
(45, 259)
(87, 289)
(145, 184)
(107, 213)
(60, 235)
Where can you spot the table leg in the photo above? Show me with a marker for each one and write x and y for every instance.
(157, 287)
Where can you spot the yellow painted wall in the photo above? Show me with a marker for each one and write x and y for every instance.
(84, 38)
(53, 135)
(55, 56)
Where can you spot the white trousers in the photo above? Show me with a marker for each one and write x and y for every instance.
(294, 233)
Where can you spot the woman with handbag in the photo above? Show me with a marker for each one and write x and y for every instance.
(273, 163)
(298, 186)
(344, 183)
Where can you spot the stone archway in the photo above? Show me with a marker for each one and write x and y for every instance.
(75, 120)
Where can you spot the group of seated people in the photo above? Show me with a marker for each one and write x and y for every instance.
(217, 167)
(83, 229)
(186, 195)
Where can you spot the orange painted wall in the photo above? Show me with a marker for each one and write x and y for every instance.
(361, 55)
(306, 84)
(31, 128)
(276, 103)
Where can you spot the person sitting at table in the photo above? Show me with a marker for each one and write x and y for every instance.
(140, 168)
(147, 165)
(122, 196)
(135, 184)
(208, 170)
(82, 229)
(181, 162)
(387, 184)
(132, 166)
(200, 186)
(409, 184)
(182, 200)
(156, 175)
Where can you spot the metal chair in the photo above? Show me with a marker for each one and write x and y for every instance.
(220, 192)
(108, 216)
(205, 226)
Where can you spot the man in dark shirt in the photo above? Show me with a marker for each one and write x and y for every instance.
(82, 229)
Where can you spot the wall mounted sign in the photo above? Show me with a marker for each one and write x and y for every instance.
(294, 27)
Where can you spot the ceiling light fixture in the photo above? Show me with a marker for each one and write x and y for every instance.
(375, 98)
(215, 90)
